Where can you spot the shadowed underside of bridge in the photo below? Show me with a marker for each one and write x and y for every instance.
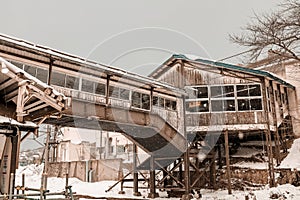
(148, 131)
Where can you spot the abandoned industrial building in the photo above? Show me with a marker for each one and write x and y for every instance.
(190, 115)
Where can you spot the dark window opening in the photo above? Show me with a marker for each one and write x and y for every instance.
(254, 90)
(256, 104)
(161, 102)
(100, 88)
(242, 90)
(146, 101)
(243, 104)
(202, 92)
(155, 101)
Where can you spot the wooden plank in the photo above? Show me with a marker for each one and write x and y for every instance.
(7, 83)
(228, 172)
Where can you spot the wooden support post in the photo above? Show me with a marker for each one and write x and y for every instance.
(135, 173)
(220, 162)
(228, 172)
(46, 161)
(270, 159)
(212, 169)
(152, 193)
(14, 160)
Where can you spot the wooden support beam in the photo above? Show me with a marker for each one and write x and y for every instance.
(152, 193)
(212, 170)
(135, 173)
(7, 83)
(228, 172)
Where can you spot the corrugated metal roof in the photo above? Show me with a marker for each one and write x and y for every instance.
(221, 65)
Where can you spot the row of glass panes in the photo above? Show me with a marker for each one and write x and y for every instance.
(220, 98)
(138, 100)
(224, 91)
(224, 105)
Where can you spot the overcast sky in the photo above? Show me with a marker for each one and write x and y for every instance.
(136, 35)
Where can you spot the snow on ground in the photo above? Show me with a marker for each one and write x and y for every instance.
(97, 189)
(251, 165)
(292, 160)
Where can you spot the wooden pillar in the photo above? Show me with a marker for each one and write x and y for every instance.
(14, 159)
(268, 135)
(152, 193)
(270, 159)
(220, 162)
(135, 173)
(228, 172)
(212, 169)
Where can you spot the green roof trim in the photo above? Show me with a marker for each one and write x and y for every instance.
(235, 68)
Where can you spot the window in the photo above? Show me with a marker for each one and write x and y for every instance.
(31, 70)
(87, 86)
(197, 106)
(136, 99)
(222, 98)
(140, 100)
(222, 105)
(249, 97)
(119, 93)
(42, 74)
(202, 92)
(58, 79)
(100, 88)
(72, 82)
(124, 94)
(222, 91)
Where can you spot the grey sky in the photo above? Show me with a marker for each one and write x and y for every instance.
(78, 26)
(124, 30)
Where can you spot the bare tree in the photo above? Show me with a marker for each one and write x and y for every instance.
(278, 32)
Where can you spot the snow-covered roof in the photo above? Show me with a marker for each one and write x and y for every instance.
(198, 60)
(89, 63)
(11, 122)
